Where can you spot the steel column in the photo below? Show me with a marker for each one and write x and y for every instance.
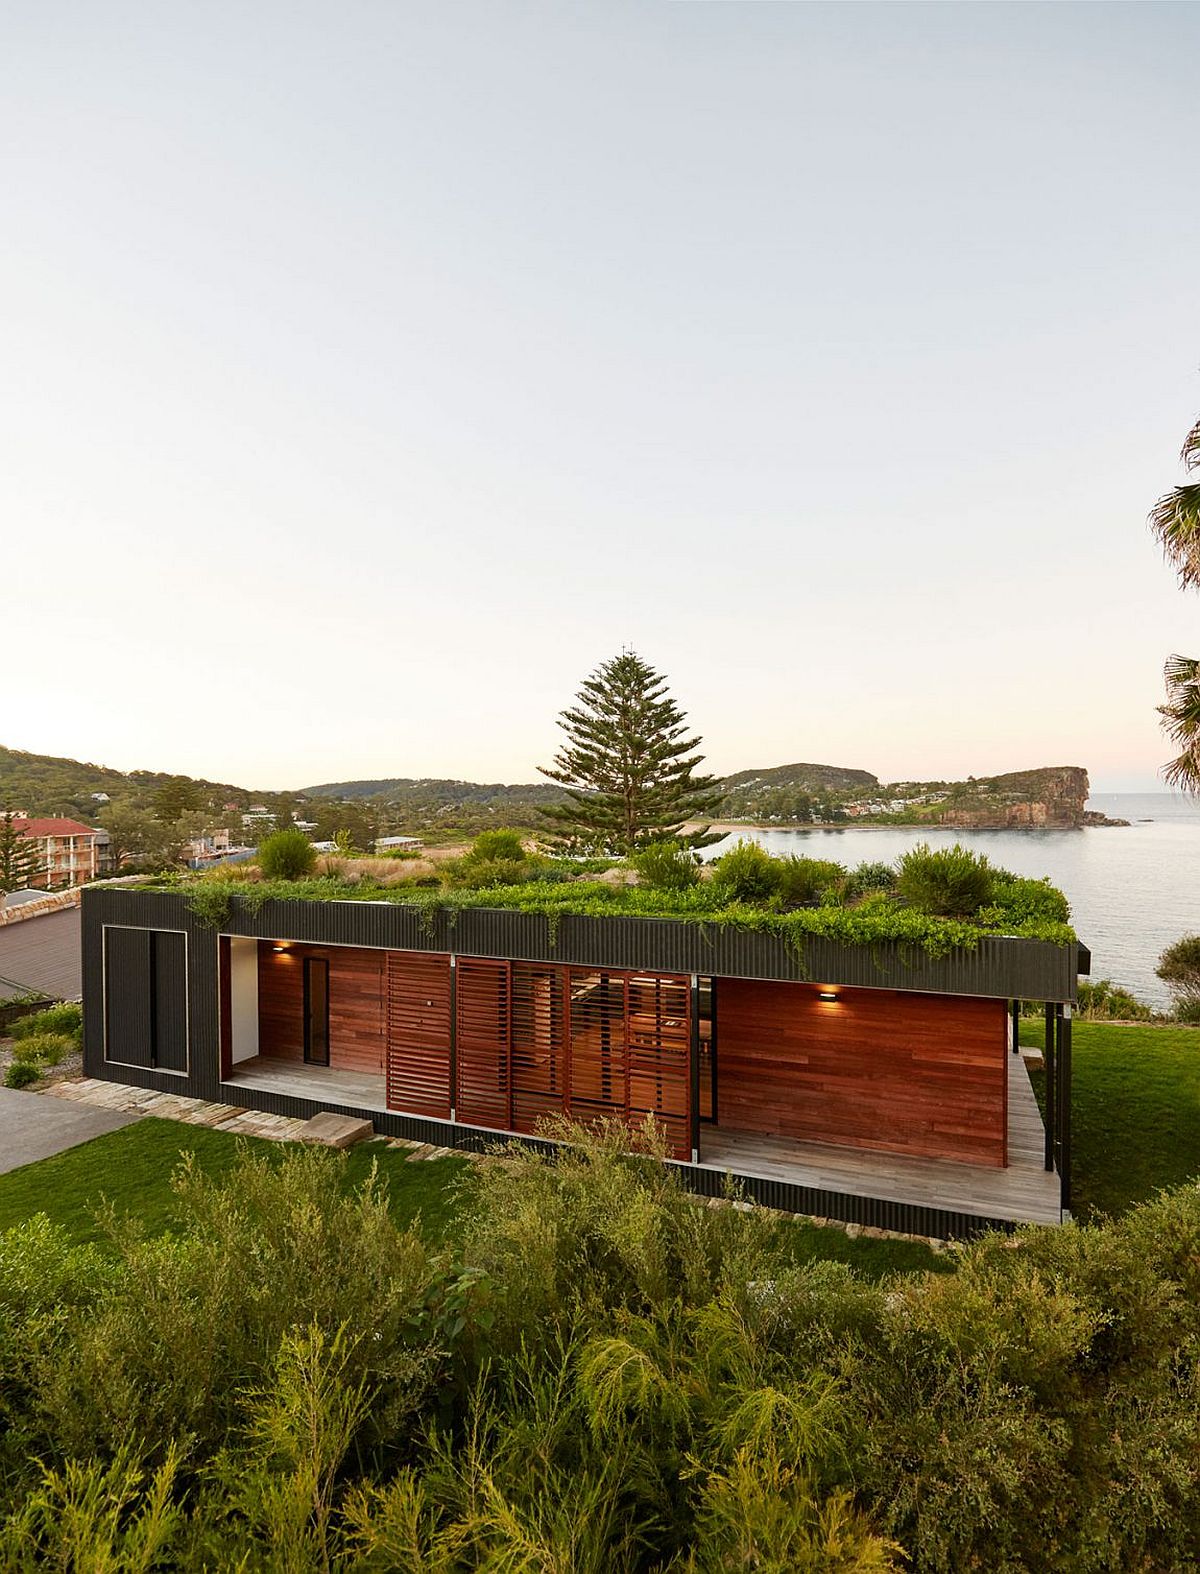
(453, 1039)
(1051, 1101)
(1064, 1104)
(694, 1069)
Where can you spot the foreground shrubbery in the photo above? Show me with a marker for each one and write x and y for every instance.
(603, 1375)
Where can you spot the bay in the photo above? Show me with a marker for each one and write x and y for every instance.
(1132, 890)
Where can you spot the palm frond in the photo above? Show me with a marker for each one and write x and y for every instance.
(1181, 721)
(1175, 520)
(1190, 452)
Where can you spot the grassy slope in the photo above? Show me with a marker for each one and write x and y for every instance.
(1136, 1111)
(132, 1169)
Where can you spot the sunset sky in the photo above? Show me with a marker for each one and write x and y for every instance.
(371, 372)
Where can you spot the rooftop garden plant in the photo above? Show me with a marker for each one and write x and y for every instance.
(746, 888)
(287, 855)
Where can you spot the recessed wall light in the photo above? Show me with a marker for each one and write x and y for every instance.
(827, 994)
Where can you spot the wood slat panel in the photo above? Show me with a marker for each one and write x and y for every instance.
(538, 1054)
(356, 1007)
(483, 1092)
(629, 1038)
(597, 1045)
(418, 1033)
(900, 1072)
(659, 1040)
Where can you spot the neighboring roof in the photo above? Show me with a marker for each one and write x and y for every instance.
(42, 956)
(19, 898)
(52, 828)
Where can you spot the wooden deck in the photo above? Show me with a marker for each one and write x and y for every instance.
(1025, 1191)
(297, 1079)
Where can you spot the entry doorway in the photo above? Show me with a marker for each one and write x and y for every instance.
(316, 1010)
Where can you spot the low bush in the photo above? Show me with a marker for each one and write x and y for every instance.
(22, 1074)
(806, 880)
(747, 873)
(50, 1049)
(1179, 969)
(1102, 1000)
(869, 877)
(666, 866)
(477, 874)
(949, 882)
(66, 1018)
(498, 844)
(287, 855)
(1022, 900)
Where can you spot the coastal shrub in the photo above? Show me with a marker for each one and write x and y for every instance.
(869, 877)
(804, 880)
(50, 1049)
(666, 866)
(747, 873)
(477, 874)
(1101, 1000)
(949, 882)
(286, 855)
(1179, 969)
(498, 844)
(597, 1372)
(494, 858)
(1019, 900)
(66, 1018)
(191, 1320)
(22, 1074)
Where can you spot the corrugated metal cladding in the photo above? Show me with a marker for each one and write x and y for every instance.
(998, 967)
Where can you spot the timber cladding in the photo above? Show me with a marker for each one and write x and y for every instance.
(899, 1072)
(357, 1023)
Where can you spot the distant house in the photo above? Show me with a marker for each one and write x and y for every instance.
(68, 854)
(101, 797)
(393, 843)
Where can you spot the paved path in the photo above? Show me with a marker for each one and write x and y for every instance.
(32, 1127)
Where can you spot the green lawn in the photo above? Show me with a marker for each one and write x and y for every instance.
(1135, 1111)
(132, 1168)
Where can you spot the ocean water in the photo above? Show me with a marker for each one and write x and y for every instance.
(1132, 890)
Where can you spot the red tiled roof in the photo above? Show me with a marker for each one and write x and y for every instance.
(52, 828)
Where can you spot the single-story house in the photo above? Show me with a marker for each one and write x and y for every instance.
(876, 1084)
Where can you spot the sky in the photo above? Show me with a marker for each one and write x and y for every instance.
(370, 372)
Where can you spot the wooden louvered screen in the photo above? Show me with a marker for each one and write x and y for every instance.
(597, 1045)
(659, 1048)
(539, 1060)
(534, 1039)
(418, 1033)
(484, 1089)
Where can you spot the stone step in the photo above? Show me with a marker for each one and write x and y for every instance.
(336, 1131)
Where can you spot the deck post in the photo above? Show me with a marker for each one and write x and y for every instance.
(1049, 1069)
(1064, 1104)
(694, 1069)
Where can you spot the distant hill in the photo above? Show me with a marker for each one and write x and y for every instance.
(46, 784)
(795, 794)
(414, 789)
(809, 778)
